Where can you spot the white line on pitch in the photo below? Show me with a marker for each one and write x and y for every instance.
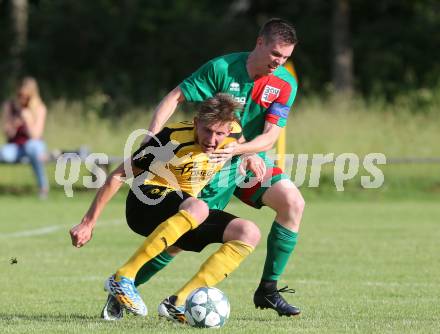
(51, 229)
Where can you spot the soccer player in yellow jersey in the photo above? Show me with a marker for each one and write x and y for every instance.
(164, 209)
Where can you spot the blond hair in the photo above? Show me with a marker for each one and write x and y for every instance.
(221, 108)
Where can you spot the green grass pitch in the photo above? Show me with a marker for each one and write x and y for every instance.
(365, 266)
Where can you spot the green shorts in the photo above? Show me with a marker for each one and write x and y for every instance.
(229, 182)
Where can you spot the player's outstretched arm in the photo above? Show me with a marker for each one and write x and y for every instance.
(164, 110)
(82, 233)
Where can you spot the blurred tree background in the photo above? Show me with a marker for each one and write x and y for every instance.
(133, 51)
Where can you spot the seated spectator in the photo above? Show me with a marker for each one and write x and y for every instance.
(23, 124)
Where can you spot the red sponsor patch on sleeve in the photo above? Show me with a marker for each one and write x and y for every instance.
(270, 89)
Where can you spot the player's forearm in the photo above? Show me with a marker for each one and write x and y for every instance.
(261, 143)
(165, 109)
(103, 196)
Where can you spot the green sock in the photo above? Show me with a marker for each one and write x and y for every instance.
(280, 244)
(152, 267)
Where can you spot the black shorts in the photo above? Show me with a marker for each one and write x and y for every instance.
(143, 218)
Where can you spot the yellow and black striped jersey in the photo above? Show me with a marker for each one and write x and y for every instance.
(175, 160)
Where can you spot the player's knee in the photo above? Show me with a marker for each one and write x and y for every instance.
(292, 204)
(297, 203)
(245, 231)
(203, 210)
(249, 233)
(196, 208)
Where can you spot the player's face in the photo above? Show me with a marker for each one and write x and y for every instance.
(210, 136)
(271, 54)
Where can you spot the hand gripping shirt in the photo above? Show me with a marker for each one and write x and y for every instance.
(268, 98)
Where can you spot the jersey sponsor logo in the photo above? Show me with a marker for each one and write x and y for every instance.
(270, 94)
(186, 168)
(234, 87)
(240, 99)
(160, 191)
(194, 171)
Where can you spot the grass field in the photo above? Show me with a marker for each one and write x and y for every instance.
(361, 266)
(367, 260)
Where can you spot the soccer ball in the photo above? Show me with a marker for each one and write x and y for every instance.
(207, 308)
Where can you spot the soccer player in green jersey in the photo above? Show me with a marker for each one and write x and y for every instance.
(266, 90)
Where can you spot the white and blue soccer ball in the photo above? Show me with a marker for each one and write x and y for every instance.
(207, 308)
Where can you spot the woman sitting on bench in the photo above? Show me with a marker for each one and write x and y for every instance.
(23, 123)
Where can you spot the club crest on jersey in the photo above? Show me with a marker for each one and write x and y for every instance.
(234, 87)
(270, 94)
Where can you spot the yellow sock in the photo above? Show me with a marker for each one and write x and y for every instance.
(216, 268)
(163, 236)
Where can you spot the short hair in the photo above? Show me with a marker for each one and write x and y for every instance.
(220, 108)
(280, 29)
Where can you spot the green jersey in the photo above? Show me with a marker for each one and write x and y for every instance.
(268, 98)
(265, 99)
